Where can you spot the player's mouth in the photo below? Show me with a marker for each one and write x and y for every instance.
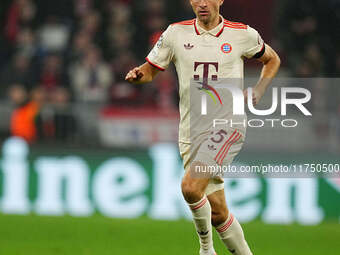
(203, 13)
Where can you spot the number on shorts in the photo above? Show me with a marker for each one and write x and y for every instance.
(220, 136)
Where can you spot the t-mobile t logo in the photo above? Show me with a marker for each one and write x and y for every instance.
(205, 86)
(205, 71)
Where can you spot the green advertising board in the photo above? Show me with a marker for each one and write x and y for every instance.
(129, 184)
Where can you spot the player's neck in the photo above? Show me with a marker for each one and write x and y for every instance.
(210, 25)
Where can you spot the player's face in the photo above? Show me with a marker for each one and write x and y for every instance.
(206, 10)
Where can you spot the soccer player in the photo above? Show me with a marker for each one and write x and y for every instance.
(209, 48)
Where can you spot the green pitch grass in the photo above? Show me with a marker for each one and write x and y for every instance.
(33, 235)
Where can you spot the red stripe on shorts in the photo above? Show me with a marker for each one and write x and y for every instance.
(218, 154)
(226, 147)
(225, 152)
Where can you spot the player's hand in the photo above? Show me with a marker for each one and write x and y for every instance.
(256, 96)
(134, 75)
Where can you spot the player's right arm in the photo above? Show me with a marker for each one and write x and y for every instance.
(142, 74)
(158, 60)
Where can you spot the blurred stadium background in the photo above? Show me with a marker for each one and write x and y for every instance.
(90, 164)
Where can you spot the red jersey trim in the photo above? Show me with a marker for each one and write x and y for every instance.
(154, 65)
(220, 32)
(184, 22)
(262, 47)
(235, 25)
(226, 23)
(197, 32)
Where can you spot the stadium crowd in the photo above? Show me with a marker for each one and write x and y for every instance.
(55, 53)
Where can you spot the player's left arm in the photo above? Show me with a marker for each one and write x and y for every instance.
(271, 64)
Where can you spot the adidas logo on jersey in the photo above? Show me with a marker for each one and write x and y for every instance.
(188, 46)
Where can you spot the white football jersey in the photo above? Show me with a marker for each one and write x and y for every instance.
(199, 54)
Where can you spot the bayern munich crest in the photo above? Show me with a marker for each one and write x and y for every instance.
(226, 48)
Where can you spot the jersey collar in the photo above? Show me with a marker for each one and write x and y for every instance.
(217, 31)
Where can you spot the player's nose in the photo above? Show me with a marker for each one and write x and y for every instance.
(202, 3)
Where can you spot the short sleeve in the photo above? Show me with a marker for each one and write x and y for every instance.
(253, 43)
(162, 53)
